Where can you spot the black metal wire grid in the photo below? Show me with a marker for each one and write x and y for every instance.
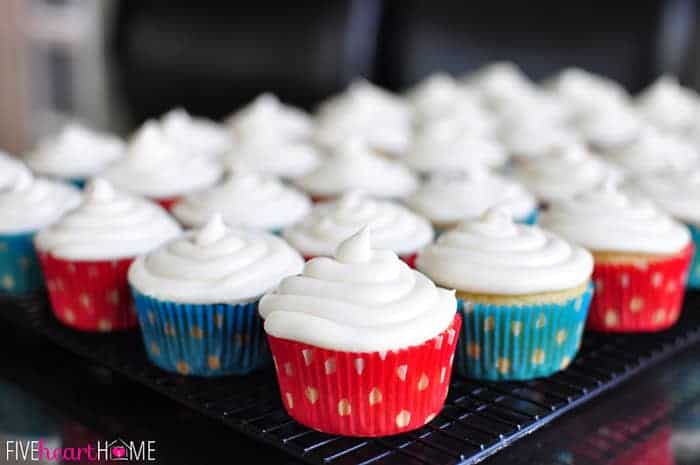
(479, 418)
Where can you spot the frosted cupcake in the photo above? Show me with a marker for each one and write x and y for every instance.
(527, 139)
(199, 136)
(586, 93)
(259, 148)
(609, 128)
(197, 298)
(368, 113)
(564, 173)
(27, 204)
(641, 258)
(75, 154)
(449, 147)
(282, 122)
(523, 294)
(247, 200)
(394, 227)
(354, 167)
(362, 344)
(85, 256)
(654, 151)
(678, 194)
(448, 200)
(157, 168)
(668, 105)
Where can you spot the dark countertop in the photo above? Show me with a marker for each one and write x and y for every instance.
(46, 392)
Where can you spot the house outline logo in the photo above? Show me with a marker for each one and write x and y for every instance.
(118, 450)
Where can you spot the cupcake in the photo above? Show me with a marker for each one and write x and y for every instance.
(199, 136)
(157, 168)
(362, 344)
(75, 154)
(668, 105)
(85, 256)
(281, 122)
(197, 298)
(368, 113)
(608, 128)
(247, 200)
(448, 200)
(641, 258)
(585, 92)
(355, 167)
(678, 194)
(564, 173)
(652, 151)
(27, 204)
(527, 139)
(258, 148)
(394, 227)
(440, 97)
(523, 294)
(447, 147)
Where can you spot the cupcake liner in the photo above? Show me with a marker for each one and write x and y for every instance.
(643, 296)
(167, 202)
(20, 270)
(694, 272)
(77, 182)
(365, 394)
(520, 342)
(202, 339)
(410, 259)
(89, 295)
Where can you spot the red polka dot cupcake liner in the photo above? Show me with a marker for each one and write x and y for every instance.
(168, 202)
(644, 296)
(365, 394)
(90, 295)
(409, 259)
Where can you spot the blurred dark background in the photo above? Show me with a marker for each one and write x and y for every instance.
(115, 63)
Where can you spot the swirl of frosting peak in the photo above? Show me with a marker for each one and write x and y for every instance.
(494, 255)
(267, 113)
(75, 152)
(245, 199)
(676, 192)
(156, 166)
(215, 264)
(108, 225)
(364, 300)
(28, 203)
(394, 227)
(607, 219)
(200, 136)
(668, 105)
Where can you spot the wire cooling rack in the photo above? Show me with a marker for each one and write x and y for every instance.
(479, 418)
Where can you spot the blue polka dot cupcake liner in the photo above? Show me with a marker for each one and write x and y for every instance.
(202, 339)
(694, 271)
(20, 270)
(520, 342)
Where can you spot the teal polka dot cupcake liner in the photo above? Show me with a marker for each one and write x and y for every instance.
(520, 342)
(694, 271)
(20, 270)
(202, 340)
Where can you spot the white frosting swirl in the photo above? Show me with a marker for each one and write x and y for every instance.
(75, 152)
(364, 300)
(280, 121)
(156, 167)
(246, 200)
(446, 146)
(279, 157)
(654, 151)
(394, 227)
(500, 84)
(446, 200)
(586, 92)
(354, 167)
(668, 105)
(365, 112)
(676, 192)
(440, 96)
(493, 255)
(530, 138)
(199, 136)
(215, 265)
(28, 203)
(564, 173)
(108, 225)
(609, 220)
(609, 127)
